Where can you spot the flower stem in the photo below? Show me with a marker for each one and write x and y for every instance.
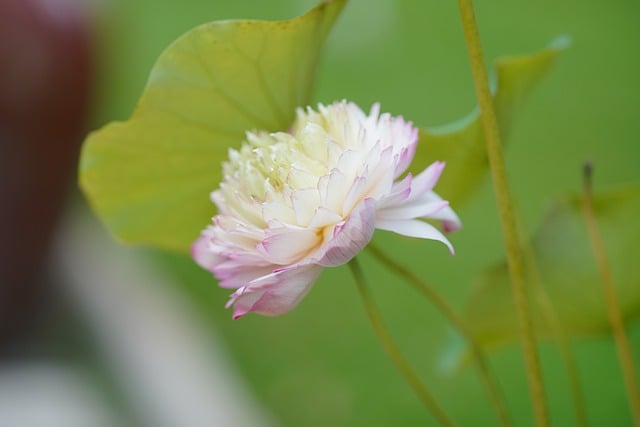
(392, 349)
(449, 313)
(505, 207)
(610, 298)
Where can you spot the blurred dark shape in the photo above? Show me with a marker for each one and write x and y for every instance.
(46, 78)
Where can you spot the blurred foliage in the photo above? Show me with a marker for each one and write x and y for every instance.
(462, 144)
(205, 91)
(564, 264)
(321, 365)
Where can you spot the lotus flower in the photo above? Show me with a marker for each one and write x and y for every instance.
(292, 203)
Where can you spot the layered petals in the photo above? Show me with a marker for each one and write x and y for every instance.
(294, 203)
(276, 293)
(348, 238)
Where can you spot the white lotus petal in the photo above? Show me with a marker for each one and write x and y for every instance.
(414, 228)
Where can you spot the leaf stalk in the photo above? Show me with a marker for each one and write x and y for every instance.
(457, 322)
(610, 298)
(392, 349)
(506, 213)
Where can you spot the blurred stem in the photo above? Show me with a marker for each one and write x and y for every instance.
(551, 317)
(610, 298)
(392, 349)
(449, 313)
(505, 208)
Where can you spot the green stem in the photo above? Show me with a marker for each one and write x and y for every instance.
(392, 349)
(505, 207)
(449, 313)
(610, 299)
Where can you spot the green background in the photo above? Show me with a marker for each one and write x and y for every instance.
(321, 365)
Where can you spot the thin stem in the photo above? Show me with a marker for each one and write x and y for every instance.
(610, 298)
(505, 208)
(449, 313)
(392, 349)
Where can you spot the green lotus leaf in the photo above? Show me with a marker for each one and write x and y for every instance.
(562, 262)
(462, 145)
(149, 178)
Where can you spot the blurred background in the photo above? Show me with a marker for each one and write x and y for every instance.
(93, 333)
